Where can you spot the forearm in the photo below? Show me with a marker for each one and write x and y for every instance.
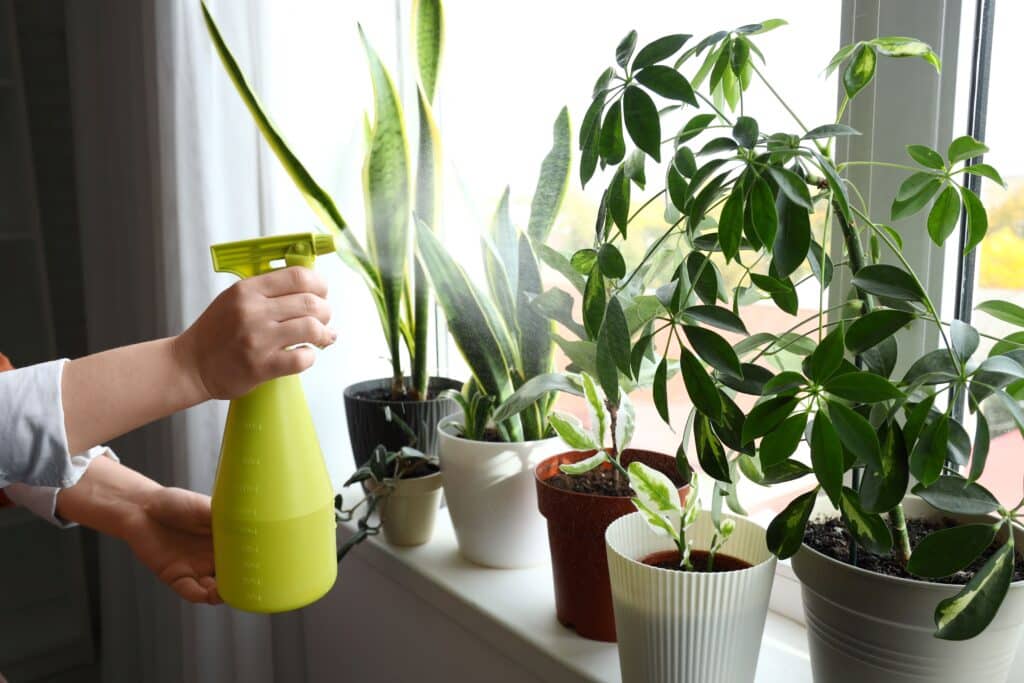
(110, 393)
(108, 498)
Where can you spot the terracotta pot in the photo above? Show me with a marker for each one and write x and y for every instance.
(368, 427)
(576, 526)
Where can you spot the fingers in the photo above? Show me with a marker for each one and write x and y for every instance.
(306, 330)
(294, 280)
(197, 591)
(302, 305)
(291, 362)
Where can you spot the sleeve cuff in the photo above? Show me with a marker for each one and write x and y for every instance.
(42, 500)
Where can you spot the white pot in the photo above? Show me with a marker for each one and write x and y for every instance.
(492, 497)
(409, 511)
(864, 627)
(687, 626)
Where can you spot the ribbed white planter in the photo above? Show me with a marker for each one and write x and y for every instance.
(685, 626)
(863, 626)
(492, 497)
(409, 512)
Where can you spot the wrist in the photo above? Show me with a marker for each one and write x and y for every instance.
(109, 498)
(184, 356)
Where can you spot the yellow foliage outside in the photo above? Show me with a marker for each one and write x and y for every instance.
(1001, 261)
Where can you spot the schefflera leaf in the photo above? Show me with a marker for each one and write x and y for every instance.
(656, 498)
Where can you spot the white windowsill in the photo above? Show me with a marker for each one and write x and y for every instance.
(513, 612)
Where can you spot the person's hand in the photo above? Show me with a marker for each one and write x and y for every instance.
(243, 337)
(170, 534)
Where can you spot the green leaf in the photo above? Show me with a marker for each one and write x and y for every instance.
(965, 147)
(981, 446)
(901, 208)
(958, 496)
(766, 416)
(889, 282)
(657, 498)
(584, 260)
(793, 239)
(699, 385)
(871, 328)
(612, 145)
(535, 344)
(429, 34)
(612, 264)
(754, 378)
(792, 186)
(616, 332)
(883, 487)
(829, 130)
(634, 168)
(625, 422)
(943, 217)
(642, 121)
(706, 284)
(898, 46)
(785, 533)
(659, 50)
(977, 219)
(827, 457)
(745, 131)
(870, 530)
(935, 367)
(856, 434)
(596, 409)
(668, 83)
(859, 71)
(781, 443)
(694, 127)
(717, 316)
(926, 156)
(678, 189)
(986, 171)
(864, 387)
(552, 181)
(964, 339)
(586, 464)
(762, 210)
(594, 302)
(685, 162)
(970, 611)
(618, 200)
(787, 382)
(717, 146)
(660, 390)
(714, 349)
(828, 357)
(929, 453)
(625, 49)
(710, 453)
(730, 225)
(947, 551)
(914, 183)
(1003, 310)
(839, 57)
(533, 390)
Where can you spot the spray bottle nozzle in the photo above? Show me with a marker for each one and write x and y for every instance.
(256, 256)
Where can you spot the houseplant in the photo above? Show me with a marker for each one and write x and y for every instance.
(580, 492)
(401, 297)
(488, 454)
(400, 494)
(691, 598)
(742, 199)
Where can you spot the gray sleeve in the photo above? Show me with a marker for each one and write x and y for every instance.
(33, 443)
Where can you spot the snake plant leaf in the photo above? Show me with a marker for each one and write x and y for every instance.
(428, 163)
(557, 262)
(534, 389)
(970, 611)
(497, 282)
(387, 190)
(314, 194)
(656, 498)
(870, 530)
(536, 348)
(428, 16)
(557, 305)
(505, 239)
(947, 551)
(785, 533)
(469, 324)
(553, 180)
(574, 434)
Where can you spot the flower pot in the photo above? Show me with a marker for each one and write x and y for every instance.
(576, 526)
(491, 497)
(863, 626)
(407, 514)
(688, 626)
(368, 426)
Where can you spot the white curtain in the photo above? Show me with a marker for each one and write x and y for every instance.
(169, 162)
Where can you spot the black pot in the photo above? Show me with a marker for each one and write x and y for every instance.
(368, 427)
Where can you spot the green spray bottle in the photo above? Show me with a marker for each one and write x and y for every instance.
(273, 503)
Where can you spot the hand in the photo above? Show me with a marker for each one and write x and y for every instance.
(170, 534)
(243, 337)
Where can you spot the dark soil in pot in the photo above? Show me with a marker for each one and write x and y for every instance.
(368, 426)
(576, 525)
(831, 538)
(669, 559)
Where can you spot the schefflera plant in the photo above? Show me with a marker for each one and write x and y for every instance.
(740, 197)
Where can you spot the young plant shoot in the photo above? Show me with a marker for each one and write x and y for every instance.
(617, 420)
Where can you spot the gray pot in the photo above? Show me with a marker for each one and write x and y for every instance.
(367, 426)
(863, 627)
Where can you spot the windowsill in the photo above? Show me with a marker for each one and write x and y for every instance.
(513, 611)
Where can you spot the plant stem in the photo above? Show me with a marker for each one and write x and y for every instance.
(898, 521)
(778, 96)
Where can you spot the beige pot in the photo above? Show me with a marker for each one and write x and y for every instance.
(407, 514)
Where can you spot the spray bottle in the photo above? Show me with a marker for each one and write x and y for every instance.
(273, 512)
